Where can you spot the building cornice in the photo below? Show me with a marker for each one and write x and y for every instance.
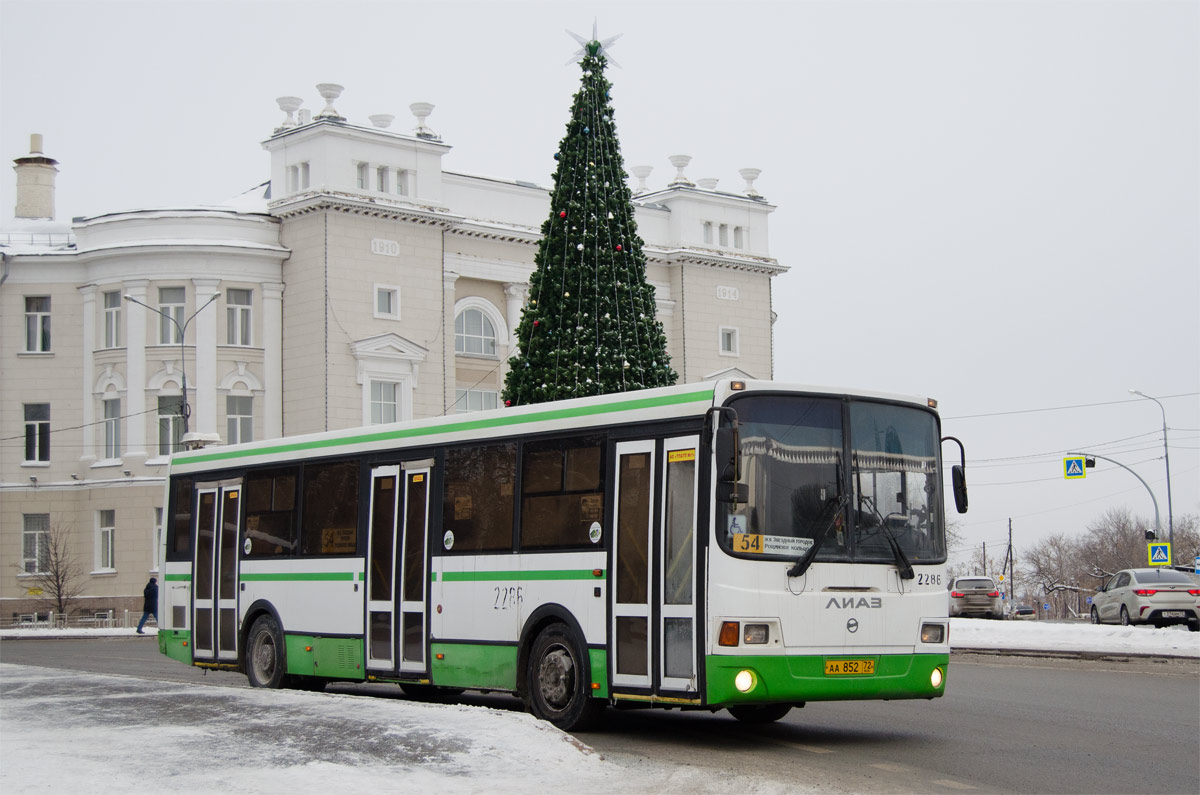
(351, 204)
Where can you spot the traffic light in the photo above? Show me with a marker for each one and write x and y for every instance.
(1150, 536)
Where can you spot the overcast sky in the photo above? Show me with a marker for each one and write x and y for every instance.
(996, 204)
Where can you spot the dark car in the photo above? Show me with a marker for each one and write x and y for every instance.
(1024, 612)
(1148, 596)
(975, 596)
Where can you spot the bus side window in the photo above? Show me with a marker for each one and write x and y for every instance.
(271, 513)
(179, 529)
(330, 521)
(562, 493)
(477, 504)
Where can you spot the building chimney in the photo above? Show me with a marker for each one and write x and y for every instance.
(35, 182)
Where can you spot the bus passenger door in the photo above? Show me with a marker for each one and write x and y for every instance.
(634, 514)
(215, 616)
(381, 567)
(677, 626)
(412, 569)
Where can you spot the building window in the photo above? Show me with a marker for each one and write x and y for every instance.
(112, 428)
(401, 182)
(387, 301)
(364, 177)
(237, 308)
(112, 319)
(293, 174)
(239, 412)
(304, 175)
(170, 424)
(381, 179)
(475, 400)
(474, 333)
(724, 235)
(739, 237)
(708, 232)
(35, 543)
(106, 532)
(37, 324)
(171, 303)
(729, 341)
(37, 432)
(383, 402)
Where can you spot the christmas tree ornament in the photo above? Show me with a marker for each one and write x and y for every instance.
(562, 214)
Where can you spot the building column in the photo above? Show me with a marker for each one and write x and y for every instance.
(515, 295)
(136, 321)
(272, 341)
(204, 409)
(88, 372)
(448, 362)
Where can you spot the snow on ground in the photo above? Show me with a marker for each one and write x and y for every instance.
(129, 735)
(125, 734)
(979, 633)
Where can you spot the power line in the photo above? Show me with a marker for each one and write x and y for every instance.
(1063, 408)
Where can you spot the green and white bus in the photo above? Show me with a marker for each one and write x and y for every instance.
(739, 545)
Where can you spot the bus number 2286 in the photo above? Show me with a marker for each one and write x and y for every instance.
(506, 597)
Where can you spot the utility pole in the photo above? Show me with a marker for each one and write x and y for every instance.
(1011, 563)
(984, 558)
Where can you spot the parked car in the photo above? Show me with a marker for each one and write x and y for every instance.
(1024, 612)
(975, 596)
(1148, 596)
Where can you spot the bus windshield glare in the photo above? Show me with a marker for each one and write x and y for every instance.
(863, 475)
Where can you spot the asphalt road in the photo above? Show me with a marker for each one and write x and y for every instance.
(1007, 724)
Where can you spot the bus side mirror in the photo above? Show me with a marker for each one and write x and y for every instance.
(729, 468)
(958, 477)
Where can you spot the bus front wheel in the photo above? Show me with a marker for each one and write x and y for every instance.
(265, 654)
(753, 713)
(557, 683)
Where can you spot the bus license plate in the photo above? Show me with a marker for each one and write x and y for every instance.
(852, 667)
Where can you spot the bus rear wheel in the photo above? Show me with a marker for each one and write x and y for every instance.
(265, 662)
(557, 682)
(756, 713)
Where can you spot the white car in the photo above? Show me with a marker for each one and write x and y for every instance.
(1148, 596)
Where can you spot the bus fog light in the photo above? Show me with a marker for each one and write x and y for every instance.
(935, 678)
(755, 633)
(932, 633)
(744, 681)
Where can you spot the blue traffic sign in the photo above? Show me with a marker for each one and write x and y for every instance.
(1046, 606)
(1074, 467)
(1160, 553)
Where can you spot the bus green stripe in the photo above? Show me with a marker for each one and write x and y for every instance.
(507, 576)
(178, 577)
(310, 576)
(457, 427)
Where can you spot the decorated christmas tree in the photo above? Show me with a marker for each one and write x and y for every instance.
(589, 325)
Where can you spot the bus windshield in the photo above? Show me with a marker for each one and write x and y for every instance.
(861, 477)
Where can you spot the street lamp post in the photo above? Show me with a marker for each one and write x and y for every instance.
(1167, 459)
(184, 409)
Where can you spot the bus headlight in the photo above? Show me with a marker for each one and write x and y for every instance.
(933, 633)
(755, 633)
(936, 678)
(745, 681)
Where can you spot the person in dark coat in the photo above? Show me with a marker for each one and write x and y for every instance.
(149, 604)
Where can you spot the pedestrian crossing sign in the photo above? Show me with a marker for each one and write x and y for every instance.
(1160, 554)
(1074, 467)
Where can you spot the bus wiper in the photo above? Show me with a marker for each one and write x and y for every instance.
(906, 569)
(804, 562)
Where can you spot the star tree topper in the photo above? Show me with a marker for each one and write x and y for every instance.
(594, 46)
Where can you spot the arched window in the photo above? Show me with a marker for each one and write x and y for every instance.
(474, 333)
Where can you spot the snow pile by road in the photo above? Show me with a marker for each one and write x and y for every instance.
(124, 735)
(979, 633)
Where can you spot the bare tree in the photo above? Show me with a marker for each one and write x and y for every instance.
(59, 575)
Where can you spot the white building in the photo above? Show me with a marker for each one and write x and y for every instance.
(362, 283)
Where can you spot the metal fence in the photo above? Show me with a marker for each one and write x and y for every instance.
(102, 619)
